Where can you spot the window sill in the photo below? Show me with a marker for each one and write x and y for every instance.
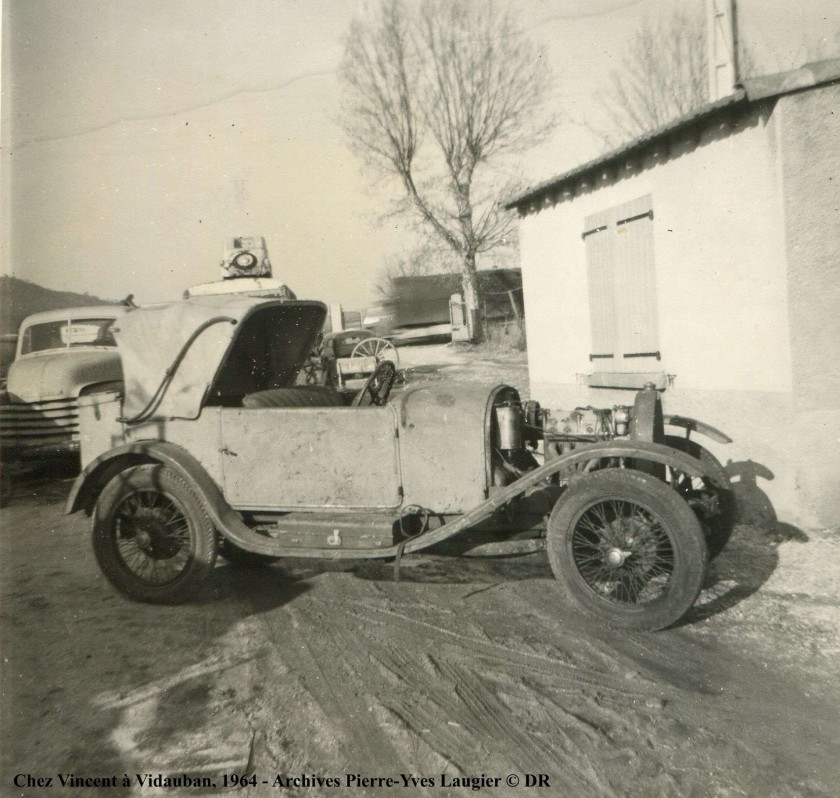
(633, 381)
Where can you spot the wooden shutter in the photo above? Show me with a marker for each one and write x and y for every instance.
(635, 284)
(599, 257)
(622, 287)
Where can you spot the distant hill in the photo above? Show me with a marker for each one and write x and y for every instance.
(20, 298)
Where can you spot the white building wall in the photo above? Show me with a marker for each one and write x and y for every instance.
(720, 268)
(722, 298)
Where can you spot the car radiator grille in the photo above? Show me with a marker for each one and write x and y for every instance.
(45, 425)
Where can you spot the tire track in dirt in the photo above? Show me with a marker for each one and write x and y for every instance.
(312, 656)
(598, 648)
(358, 664)
(524, 662)
(448, 705)
(528, 752)
(456, 694)
(426, 704)
(454, 698)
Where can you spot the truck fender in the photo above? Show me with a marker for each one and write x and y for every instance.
(99, 472)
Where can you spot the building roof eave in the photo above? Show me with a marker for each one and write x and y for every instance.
(750, 91)
(632, 146)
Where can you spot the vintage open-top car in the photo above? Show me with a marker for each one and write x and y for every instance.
(213, 448)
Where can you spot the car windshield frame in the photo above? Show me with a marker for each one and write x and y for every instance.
(61, 333)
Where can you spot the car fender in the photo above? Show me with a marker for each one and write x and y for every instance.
(693, 425)
(637, 450)
(99, 472)
(566, 467)
(91, 481)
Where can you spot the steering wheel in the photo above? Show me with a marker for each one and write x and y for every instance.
(377, 387)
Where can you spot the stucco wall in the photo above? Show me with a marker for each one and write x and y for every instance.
(810, 125)
(720, 219)
(720, 266)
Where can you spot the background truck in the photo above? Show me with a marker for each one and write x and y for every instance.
(61, 355)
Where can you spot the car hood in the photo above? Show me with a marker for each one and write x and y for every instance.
(61, 374)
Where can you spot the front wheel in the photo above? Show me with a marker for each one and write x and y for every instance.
(152, 538)
(629, 549)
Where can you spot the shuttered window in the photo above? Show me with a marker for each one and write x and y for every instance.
(622, 290)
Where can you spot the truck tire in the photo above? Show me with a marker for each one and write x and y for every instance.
(152, 538)
(628, 548)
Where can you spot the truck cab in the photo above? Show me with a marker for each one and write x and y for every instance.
(61, 355)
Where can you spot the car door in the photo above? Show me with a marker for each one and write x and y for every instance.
(310, 458)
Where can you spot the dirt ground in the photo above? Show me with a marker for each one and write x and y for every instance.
(464, 669)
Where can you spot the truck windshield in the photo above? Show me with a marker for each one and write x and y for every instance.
(64, 334)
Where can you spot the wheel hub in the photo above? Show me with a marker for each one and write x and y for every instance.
(616, 557)
(154, 539)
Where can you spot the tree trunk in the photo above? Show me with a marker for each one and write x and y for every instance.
(469, 281)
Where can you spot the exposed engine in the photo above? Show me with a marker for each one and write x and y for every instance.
(525, 434)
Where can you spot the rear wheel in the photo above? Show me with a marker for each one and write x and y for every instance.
(629, 549)
(152, 537)
(713, 503)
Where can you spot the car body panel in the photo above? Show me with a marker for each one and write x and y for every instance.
(424, 448)
(56, 374)
(313, 457)
(442, 445)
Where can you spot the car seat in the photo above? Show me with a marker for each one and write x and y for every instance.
(296, 396)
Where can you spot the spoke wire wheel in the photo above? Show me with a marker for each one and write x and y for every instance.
(379, 348)
(151, 535)
(628, 548)
(313, 369)
(622, 552)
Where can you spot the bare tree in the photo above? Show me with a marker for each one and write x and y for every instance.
(663, 76)
(436, 95)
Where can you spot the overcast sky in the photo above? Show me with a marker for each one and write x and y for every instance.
(138, 134)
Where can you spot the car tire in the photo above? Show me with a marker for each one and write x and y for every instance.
(152, 537)
(718, 528)
(628, 548)
(240, 557)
